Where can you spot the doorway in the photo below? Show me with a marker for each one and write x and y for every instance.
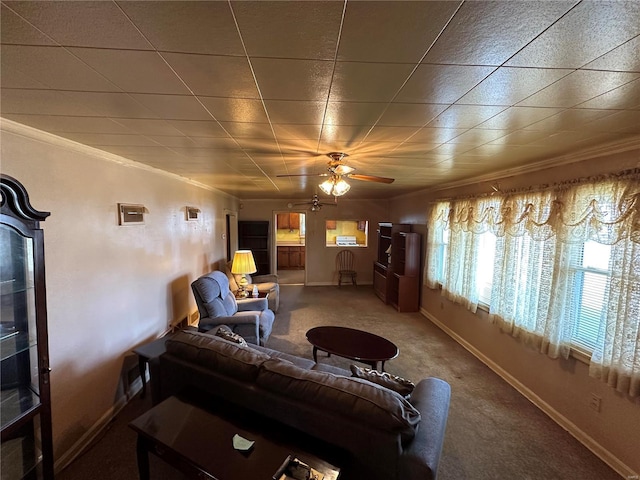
(290, 247)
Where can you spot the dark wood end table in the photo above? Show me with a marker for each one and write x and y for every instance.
(354, 344)
(199, 441)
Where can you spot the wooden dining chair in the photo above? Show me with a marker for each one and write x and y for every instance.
(345, 263)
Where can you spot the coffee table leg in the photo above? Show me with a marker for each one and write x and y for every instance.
(315, 354)
(143, 458)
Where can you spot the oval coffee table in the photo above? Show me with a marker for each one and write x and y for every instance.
(354, 344)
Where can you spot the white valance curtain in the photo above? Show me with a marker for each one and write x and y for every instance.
(536, 231)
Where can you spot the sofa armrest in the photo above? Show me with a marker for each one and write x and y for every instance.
(252, 304)
(421, 456)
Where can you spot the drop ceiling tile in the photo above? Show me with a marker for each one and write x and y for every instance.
(148, 126)
(343, 133)
(572, 119)
(464, 116)
(297, 132)
(410, 114)
(625, 96)
(578, 87)
(214, 75)
(235, 109)
(14, 78)
(368, 82)
(198, 128)
(414, 150)
(489, 33)
(54, 67)
(391, 134)
(130, 150)
(626, 57)
(133, 71)
(432, 135)
(175, 107)
(515, 118)
(251, 130)
(520, 137)
(353, 113)
(371, 30)
(42, 102)
(99, 139)
(588, 31)
(220, 144)
(302, 30)
(198, 27)
(477, 137)
(57, 123)
(285, 79)
(508, 86)
(173, 141)
(441, 83)
(111, 104)
(451, 149)
(82, 24)
(625, 121)
(14, 30)
(295, 112)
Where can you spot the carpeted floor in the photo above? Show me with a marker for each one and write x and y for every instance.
(493, 432)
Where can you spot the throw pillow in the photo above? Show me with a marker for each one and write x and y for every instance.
(398, 384)
(226, 333)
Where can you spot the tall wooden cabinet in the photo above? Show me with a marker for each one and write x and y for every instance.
(398, 282)
(25, 409)
(254, 236)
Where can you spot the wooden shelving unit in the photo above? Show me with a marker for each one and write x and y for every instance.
(254, 236)
(381, 268)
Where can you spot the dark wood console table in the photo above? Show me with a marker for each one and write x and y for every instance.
(199, 441)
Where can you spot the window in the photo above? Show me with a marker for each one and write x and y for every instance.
(484, 274)
(590, 270)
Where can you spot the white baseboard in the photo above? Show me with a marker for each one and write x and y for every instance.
(333, 284)
(96, 429)
(597, 449)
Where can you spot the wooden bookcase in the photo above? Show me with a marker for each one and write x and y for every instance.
(381, 268)
(404, 288)
(254, 236)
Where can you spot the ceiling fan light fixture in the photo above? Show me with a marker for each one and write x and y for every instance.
(335, 186)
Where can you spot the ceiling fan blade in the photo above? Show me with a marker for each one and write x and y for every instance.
(371, 178)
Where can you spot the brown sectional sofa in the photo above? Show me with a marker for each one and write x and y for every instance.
(386, 436)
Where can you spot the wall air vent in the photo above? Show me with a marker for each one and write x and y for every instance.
(130, 214)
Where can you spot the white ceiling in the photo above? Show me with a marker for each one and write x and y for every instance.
(233, 94)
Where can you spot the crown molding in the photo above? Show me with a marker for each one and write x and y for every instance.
(18, 129)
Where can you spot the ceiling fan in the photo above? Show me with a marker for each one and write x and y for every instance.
(336, 185)
(315, 203)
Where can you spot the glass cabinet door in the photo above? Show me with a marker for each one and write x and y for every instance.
(25, 419)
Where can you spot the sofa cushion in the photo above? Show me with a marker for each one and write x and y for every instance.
(240, 361)
(398, 384)
(351, 397)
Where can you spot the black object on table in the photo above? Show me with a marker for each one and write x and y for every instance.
(194, 432)
(353, 344)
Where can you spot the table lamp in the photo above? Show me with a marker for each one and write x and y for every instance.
(243, 264)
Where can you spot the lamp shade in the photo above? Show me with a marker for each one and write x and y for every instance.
(335, 186)
(243, 262)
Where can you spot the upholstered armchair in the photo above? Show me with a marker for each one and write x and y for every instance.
(217, 305)
(266, 284)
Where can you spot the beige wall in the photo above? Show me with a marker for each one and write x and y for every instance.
(109, 288)
(320, 259)
(562, 388)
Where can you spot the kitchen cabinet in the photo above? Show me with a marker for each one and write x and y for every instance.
(288, 221)
(25, 398)
(291, 257)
